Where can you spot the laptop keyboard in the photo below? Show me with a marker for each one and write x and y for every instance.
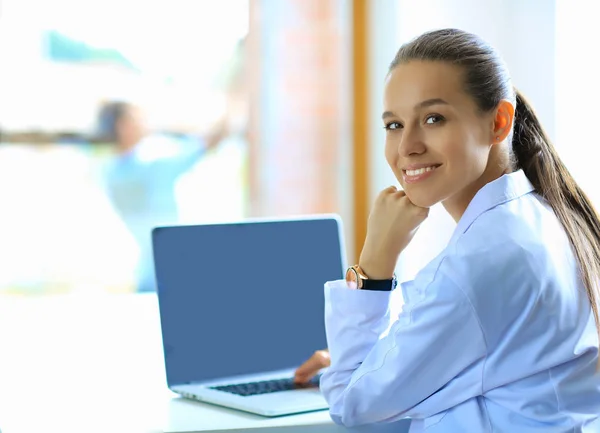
(267, 386)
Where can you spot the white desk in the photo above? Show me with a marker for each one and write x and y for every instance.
(94, 364)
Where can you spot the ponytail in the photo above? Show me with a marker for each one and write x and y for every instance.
(487, 81)
(535, 155)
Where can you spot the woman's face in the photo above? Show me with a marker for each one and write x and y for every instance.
(437, 141)
(131, 128)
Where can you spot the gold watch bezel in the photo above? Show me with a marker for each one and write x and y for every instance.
(355, 276)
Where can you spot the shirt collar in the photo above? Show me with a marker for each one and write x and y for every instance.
(504, 189)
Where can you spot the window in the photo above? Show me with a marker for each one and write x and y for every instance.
(177, 60)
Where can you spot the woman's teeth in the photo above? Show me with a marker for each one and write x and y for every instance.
(420, 171)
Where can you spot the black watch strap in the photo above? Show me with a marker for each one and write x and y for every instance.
(379, 285)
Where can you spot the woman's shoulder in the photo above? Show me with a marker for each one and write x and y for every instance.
(515, 249)
(512, 232)
(511, 254)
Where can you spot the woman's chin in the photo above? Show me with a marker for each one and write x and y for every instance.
(422, 200)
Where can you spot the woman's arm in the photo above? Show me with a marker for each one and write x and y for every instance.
(431, 358)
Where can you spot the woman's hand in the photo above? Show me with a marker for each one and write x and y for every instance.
(393, 222)
(320, 359)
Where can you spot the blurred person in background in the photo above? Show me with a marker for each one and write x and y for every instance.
(140, 180)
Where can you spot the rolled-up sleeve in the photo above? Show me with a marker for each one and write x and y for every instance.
(430, 359)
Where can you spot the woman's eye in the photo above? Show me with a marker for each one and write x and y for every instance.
(392, 126)
(434, 118)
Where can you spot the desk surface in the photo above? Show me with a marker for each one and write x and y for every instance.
(94, 364)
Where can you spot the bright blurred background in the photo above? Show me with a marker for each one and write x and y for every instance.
(298, 85)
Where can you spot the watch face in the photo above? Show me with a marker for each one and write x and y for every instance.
(352, 278)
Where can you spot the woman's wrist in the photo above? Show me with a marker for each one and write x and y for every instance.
(377, 268)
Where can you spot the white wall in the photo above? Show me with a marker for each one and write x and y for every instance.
(523, 32)
(578, 91)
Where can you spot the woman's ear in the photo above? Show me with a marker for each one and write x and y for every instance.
(503, 121)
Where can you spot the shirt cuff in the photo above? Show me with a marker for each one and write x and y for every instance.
(354, 321)
(344, 300)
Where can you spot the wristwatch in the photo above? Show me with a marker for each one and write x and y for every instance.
(357, 279)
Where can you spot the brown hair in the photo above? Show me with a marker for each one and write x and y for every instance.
(109, 116)
(487, 80)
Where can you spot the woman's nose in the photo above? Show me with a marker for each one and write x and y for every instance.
(411, 143)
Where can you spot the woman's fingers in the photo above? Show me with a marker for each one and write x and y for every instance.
(320, 359)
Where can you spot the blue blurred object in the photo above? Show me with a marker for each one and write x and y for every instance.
(63, 48)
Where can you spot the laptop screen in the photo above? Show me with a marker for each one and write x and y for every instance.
(243, 298)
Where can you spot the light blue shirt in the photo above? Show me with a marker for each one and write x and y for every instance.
(495, 335)
(141, 186)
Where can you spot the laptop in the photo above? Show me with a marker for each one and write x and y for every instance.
(242, 306)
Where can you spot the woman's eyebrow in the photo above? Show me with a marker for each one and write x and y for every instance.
(420, 105)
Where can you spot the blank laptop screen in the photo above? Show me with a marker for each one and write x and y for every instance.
(243, 298)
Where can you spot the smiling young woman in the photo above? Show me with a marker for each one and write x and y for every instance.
(499, 332)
